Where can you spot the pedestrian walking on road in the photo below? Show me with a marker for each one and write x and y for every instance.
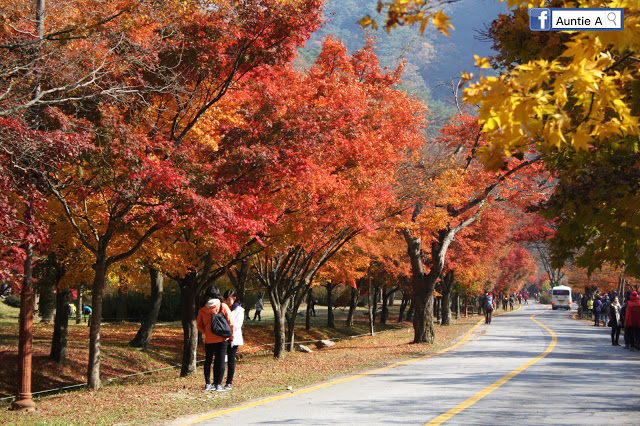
(259, 306)
(526, 299)
(589, 307)
(511, 302)
(489, 306)
(632, 321)
(614, 321)
(215, 345)
(505, 302)
(237, 312)
(597, 308)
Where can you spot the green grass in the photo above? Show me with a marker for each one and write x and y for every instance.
(8, 313)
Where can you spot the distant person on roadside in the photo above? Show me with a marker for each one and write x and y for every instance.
(632, 321)
(259, 307)
(614, 320)
(512, 301)
(526, 299)
(604, 312)
(237, 312)
(519, 299)
(489, 306)
(585, 308)
(597, 308)
(505, 302)
(590, 306)
(215, 346)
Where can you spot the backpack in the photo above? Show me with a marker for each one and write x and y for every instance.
(220, 325)
(489, 302)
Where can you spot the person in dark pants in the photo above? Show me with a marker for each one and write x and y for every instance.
(215, 346)
(489, 306)
(614, 320)
(597, 307)
(237, 312)
(259, 306)
(632, 321)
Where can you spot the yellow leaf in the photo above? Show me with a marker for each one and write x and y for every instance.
(481, 62)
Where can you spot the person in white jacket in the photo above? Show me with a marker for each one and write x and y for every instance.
(237, 313)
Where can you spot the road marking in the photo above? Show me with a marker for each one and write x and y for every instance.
(486, 391)
(324, 385)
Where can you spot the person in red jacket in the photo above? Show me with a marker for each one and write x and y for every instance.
(215, 346)
(632, 321)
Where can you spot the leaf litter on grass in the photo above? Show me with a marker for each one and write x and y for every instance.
(164, 395)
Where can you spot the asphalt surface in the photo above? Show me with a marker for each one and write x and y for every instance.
(580, 378)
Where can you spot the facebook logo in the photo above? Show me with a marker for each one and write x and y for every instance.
(539, 19)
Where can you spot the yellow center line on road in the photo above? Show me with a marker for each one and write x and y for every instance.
(335, 382)
(486, 391)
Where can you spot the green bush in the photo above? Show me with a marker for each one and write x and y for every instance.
(12, 300)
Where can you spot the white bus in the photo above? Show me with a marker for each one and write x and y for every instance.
(561, 297)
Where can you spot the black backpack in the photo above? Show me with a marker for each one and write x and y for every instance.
(220, 325)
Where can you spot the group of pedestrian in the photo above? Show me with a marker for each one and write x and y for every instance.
(218, 345)
(625, 316)
(607, 310)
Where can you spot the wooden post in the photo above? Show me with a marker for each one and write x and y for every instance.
(24, 401)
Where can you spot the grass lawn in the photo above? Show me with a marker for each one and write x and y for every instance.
(163, 396)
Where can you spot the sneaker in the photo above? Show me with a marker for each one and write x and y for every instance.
(219, 388)
(227, 386)
(209, 387)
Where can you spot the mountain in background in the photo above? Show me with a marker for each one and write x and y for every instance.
(433, 59)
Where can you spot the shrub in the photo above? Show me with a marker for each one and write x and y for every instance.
(12, 300)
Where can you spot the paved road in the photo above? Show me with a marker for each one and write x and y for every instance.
(577, 379)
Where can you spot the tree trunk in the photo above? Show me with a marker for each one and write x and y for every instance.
(189, 329)
(307, 322)
(290, 318)
(60, 328)
(121, 310)
(374, 308)
(239, 275)
(403, 306)
(79, 306)
(410, 313)
(353, 303)
(385, 307)
(331, 323)
(371, 315)
(47, 302)
(457, 305)
(447, 286)
(99, 281)
(387, 300)
(278, 328)
(143, 337)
